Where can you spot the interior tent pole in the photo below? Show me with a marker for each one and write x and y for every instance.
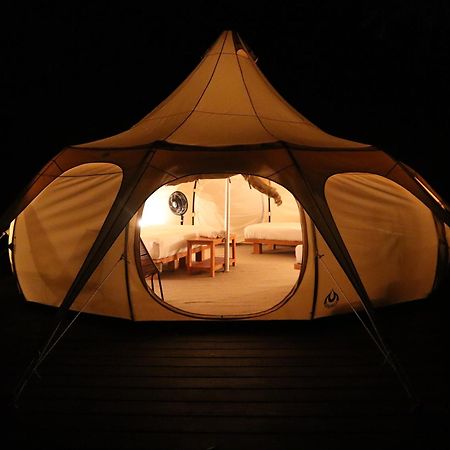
(194, 190)
(226, 254)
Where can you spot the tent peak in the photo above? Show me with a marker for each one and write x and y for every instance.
(230, 41)
(225, 101)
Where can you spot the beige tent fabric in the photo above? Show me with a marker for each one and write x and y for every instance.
(54, 234)
(248, 204)
(225, 118)
(226, 100)
(390, 234)
(260, 184)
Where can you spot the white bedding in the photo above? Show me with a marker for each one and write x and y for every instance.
(283, 231)
(163, 241)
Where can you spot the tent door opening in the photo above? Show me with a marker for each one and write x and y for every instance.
(233, 253)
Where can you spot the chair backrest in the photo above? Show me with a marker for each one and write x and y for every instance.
(149, 268)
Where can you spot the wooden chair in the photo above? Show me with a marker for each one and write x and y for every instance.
(150, 269)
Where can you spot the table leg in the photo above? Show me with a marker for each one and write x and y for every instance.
(213, 259)
(189, 257)
(233, 250)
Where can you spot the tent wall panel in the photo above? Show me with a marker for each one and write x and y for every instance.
(53, 235)
(383, 227)
(106, 291)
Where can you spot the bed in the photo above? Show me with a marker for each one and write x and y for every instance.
(273, 234)
(167, 243)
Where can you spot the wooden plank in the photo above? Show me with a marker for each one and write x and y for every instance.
(348, 395)
(308, 362)
(372, 382)
(111, 370)
(242, 352)
(234, 424)
(205, 440)
(76, 406)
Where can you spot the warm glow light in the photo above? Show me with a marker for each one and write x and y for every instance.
(156, 209)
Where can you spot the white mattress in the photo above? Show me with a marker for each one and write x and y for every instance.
(163, 241)
(283, 231)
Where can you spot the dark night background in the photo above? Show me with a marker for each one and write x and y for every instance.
(372, 72)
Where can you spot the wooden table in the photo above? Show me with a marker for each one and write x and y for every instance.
(214, 262)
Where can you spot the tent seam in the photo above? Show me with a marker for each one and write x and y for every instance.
(201, 95)
(251, 101)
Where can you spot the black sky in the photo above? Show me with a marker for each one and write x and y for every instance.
(373, 72)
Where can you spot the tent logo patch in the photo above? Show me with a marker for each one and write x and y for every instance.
(331, 299)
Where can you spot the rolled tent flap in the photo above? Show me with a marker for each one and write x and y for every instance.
(260, 184)
(263, 186)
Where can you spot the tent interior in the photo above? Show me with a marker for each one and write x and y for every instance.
(254, 282)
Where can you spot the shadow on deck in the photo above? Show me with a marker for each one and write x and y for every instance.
(226, 385)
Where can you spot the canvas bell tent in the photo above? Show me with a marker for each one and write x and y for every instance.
(373, 232)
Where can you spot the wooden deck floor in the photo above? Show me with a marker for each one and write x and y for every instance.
(113, 384)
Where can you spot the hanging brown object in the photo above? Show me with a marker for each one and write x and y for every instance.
(263, 186)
